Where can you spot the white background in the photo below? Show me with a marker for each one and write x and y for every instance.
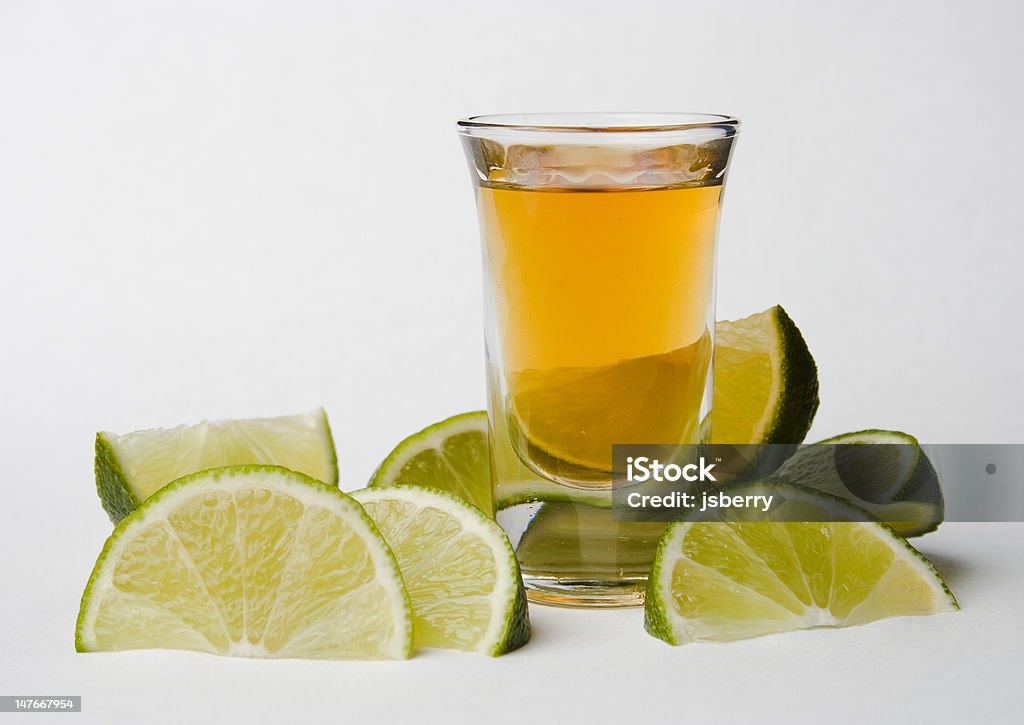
(236, 209)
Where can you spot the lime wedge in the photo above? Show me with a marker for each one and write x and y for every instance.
(450, 456)
(458, 566)
(249, 561)
(576, 414)
(739, 575)
(766, 388)
(132, 467)
(453, 456)
(882, 471)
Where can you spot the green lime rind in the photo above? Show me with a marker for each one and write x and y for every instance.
(512, 629)
(518, 631)
(793, 404)
(799, 397)
(111, 484)
(657, 616)
(385, 560)
(332, 450)
(911, 502)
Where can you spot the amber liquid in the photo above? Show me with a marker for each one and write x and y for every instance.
(601, 305)
(602, 302)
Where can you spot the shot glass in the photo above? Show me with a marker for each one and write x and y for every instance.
(599, 238)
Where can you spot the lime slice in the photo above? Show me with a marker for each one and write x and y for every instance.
(766, 388)
(740, 575)
(453, 456)
(449, 456)
(132, 467)
(458, 566)
(575, 415)
(249, 561)
(884, 472)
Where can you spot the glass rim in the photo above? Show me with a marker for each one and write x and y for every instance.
(598, 122)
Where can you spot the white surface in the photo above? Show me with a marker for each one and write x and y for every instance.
(231, 209)
(581, 666)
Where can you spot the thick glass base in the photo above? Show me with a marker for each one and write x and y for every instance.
(575, 555)
(560, 592)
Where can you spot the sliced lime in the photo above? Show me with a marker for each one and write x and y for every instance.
(453, 456)
(574, 415)
(742, 575)
(249, 561)
(450, 456)
(885, 472)
(458, 566)
(132, 467)
(766, 382)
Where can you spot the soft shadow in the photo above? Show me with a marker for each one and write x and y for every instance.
(953, 570)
